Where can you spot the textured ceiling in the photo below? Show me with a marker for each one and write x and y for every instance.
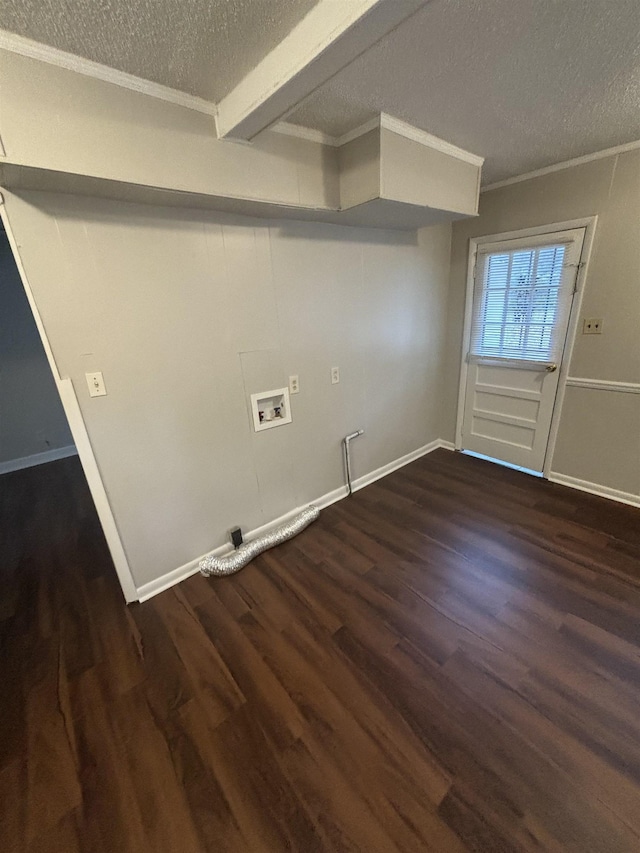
(525, 83)
(203, 47)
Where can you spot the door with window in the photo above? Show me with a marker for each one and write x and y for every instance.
(523, 293)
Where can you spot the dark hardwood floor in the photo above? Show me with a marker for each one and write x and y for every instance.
(449, 660)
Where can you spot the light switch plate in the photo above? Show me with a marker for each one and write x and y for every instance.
(96, 385)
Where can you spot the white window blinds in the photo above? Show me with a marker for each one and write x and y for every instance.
(520, 304)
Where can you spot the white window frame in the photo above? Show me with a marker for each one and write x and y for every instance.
(565, 239)
(589, 224)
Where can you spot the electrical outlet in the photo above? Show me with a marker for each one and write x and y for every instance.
(96, 385)
(592, 326)
(335, 375)
(294, 385)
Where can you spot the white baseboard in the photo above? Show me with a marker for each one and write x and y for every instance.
(37, 459)
(390, 467)
(148, 590)
(596, 489)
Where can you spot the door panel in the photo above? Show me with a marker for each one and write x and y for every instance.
(522, 302)
(496, 401)
(508, 413)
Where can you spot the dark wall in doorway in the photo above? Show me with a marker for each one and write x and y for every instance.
(32, 420)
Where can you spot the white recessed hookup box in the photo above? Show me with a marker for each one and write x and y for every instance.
(270, 409)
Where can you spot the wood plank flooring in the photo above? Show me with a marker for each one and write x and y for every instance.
(449, 660)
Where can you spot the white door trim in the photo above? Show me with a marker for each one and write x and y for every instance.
(79, 433)
(589, 224)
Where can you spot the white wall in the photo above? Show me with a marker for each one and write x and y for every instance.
(188, 313)
(599, 436)
(70, 133)
(31, 417)
(56, 119)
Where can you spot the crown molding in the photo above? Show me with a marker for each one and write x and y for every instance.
(44, 53)
(424, 138)
(309, 133)
(564, 164)
(322, 138)
(410, 132)
(382, 120)
(350, 135)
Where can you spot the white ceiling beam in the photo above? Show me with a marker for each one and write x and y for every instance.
(331, 36)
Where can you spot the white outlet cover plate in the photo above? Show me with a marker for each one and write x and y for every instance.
(592, 326)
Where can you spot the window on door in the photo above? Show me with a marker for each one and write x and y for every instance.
(520, 305)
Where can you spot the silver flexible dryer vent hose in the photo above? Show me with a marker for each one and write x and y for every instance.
(238, 559)
(347, 456)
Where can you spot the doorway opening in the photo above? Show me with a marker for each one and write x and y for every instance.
(41, 426)
(33, 426)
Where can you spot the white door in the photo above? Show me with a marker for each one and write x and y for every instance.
(523, 291)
